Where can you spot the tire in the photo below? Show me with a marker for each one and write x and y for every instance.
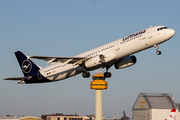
(158, 52)
(107, 74)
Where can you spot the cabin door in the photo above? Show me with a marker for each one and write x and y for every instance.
(149, 33)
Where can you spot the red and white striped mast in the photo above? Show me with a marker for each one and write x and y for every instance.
(117, 112)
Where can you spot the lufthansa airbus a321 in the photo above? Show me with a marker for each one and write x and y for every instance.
(117, 53)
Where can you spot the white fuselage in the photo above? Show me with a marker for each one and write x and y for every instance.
(112, 51)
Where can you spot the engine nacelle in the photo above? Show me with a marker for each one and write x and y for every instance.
(96, 60)
(125, 62)
(99, 59)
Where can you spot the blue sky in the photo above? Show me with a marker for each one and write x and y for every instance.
(67, 28)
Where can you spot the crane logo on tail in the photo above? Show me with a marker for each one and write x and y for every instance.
(26, 66)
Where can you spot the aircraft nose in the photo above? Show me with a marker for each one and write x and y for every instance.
(172, 32)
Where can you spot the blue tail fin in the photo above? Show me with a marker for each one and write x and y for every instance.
(28, 67)
(124, 114)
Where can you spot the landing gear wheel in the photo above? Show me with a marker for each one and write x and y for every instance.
(86, 74)
(158, 52)
(107, 74)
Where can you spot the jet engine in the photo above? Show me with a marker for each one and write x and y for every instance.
(99, 59)
(125, 62)
(96, 60)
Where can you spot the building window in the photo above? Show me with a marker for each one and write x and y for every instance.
(58, 118)
(65, 118)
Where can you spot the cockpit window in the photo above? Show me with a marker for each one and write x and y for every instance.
(161, 28)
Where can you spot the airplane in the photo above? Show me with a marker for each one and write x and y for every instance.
(171, 115)
(117, 53)
(124, 115)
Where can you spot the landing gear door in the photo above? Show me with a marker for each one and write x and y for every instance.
(149, 33)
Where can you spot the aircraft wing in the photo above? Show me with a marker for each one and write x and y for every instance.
(65, 60)
(17, 78)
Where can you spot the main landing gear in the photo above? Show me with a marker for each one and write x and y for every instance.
(86, 74)
(107, 74)
(158, 52)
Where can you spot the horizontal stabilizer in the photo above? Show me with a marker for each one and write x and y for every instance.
(18, 78)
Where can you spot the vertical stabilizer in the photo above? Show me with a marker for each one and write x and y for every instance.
(171, 115)
(28, 67)
(124, 114)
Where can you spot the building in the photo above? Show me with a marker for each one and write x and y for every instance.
(20, 118)
(30, 118)
(60, 116)
(10, 118)
(153, 106)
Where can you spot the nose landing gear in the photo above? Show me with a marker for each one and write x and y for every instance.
(158, 52)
